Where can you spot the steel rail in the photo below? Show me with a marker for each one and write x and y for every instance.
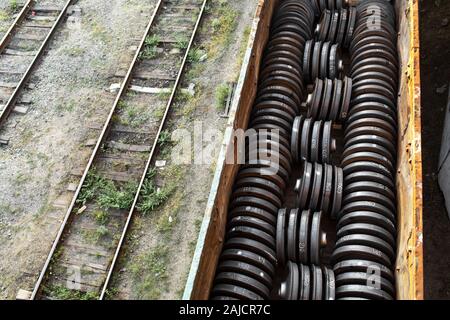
(22, 14)
(10, 104)
(103, 135)
(152, 152)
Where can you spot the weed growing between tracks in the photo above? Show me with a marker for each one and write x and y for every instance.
(108, 194)
(62, 293)
(152, 196)
(150, 45)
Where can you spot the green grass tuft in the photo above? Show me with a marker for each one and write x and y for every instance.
(150, 45)
(222, 27)
(195, 55)
(164, 139)
(106, 193)
(181, 42)
(151, 196)
(222, 93)
(13, 5)
(62, 293)
(150, 273)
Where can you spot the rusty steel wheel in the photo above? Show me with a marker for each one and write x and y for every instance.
(335, 106)
(350, 26)
(303, 185)
(368, 185)
(252, 222)
(335, 64)
(295, 138)
(328, 143)
(337, 191)
(326, 100)
(249, 257)
(376, 106)
(372, 122)
(362, 278)
(304, 237)
(369, 166)
(281, 242)
(370, 196)
(246, 269)
(317, 283)
(253, 201)
(316, 186)
(373, 41)
(305, 283)
(359, 252)
(252, 246)
(368, 206)
(314, 99)
(234, 292)
(327, 188)
(369, 147)
(243, 281)
(259, 182)
(305, 139)
(372, 219)
(315, 141)
(342, 27)
(323, 27)
(256, 172)
(315, 62)
(365, 175)
(325, 60)
(317, 240)
(362, 291)
(368, 229)
(346, 97)
(332, 33)
(253, 234)
(369, 241)
(374, 86)
(292, 235)
(329, 292)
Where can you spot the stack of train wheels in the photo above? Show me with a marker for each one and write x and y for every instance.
(305, 96)
(365, 249)
(248, 260)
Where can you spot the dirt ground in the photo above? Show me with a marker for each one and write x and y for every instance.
(68, 96)
(435, 77)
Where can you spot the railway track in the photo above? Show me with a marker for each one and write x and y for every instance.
(88, 244)
(21, 49)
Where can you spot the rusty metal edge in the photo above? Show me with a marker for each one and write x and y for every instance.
(100, 141)
(152, 152)
(418, 288)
